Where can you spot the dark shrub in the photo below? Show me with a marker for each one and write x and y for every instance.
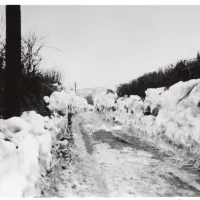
(182, 71)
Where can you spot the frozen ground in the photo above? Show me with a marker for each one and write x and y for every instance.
(106, 162)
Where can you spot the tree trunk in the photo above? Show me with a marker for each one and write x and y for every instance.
(13, 62)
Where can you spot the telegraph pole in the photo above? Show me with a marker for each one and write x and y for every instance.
(13, 73)
(75, 87)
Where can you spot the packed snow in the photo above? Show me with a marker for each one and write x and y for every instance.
(112, 164)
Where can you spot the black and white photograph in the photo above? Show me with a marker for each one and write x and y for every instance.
(99, 100)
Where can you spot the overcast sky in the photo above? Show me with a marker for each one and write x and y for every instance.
(109, 45)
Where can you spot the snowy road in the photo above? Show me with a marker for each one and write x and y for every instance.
(107, 163)
(115, 165)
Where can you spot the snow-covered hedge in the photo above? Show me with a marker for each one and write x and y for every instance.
(173, 116)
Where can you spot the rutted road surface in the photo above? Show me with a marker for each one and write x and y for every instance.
(113, 164)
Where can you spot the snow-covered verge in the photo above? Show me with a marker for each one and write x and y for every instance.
(165, 116)
(26, 144)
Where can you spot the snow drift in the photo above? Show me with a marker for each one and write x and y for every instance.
(63, 102)
(25, 153)
(26, 142)
(170, 115)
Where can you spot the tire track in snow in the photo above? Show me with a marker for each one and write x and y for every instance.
(94, 184)
(86, 139)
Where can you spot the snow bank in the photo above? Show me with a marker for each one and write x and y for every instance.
(104, 101)
(26, 142)
(173, 114)
(63, 102)
(25, 153)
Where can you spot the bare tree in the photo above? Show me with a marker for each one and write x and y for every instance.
(31, 58)
(13, 61)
